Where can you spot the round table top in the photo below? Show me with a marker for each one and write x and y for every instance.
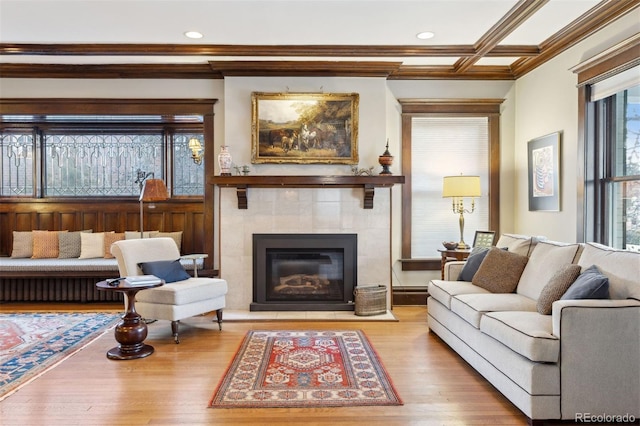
(122, 286)
(194, 256)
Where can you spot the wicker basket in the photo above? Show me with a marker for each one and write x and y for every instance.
(371, 300)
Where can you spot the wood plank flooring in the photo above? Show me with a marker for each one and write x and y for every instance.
(174, 385)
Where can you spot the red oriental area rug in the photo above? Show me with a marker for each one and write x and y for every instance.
(305, 369)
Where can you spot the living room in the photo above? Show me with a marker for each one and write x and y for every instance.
(542, 101)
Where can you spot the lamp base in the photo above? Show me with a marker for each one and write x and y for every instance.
(463, 246)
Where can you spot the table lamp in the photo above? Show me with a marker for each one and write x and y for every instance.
(457, 188)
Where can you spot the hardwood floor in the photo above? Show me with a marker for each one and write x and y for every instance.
(173, 386)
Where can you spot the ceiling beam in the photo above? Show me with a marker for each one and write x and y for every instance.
(522, 11)
(589, 23)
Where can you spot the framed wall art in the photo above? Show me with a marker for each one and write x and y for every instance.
(484, 238)
(544, 173)
(304, 128)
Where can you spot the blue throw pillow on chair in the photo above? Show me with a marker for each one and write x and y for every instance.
(168, 270)
(472, 264)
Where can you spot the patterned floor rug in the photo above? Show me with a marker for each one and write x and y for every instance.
(291, 368)
(32, 343)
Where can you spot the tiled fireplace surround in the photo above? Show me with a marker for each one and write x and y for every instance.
(308, 211)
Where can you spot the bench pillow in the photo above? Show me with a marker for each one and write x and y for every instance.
(45, 244)
(110, 238)
(91, 245)
(22, 244)
(69, 244)
(176, 236)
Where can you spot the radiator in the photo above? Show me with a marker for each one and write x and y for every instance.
(54, 289)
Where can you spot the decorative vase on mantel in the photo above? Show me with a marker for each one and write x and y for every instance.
(386, 160)
(224, 161)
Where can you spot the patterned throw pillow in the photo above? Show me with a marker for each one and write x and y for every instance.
(45, 244)
(110, 238)
(556, 287)
(22, 244)
(500, 271)
(69, 244)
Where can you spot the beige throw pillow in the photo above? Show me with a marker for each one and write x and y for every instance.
(22, 244)
(91, 245)
(556, 287)
(500, 271)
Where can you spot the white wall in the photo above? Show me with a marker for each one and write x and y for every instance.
(546, 101)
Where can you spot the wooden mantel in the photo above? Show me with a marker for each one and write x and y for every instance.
(367, 183)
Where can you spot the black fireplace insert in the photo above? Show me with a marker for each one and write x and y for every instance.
(304, 272)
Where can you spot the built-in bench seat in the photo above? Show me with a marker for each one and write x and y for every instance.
(61, 280)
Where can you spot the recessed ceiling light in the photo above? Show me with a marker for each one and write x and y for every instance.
(193, 34)
(425, 35)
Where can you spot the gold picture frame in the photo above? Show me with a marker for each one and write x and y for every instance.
(304, 128)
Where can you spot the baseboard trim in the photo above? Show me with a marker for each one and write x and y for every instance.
(410, 296)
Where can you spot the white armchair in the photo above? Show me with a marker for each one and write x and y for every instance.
(173, 301)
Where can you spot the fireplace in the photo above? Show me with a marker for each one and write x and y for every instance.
(304, 272)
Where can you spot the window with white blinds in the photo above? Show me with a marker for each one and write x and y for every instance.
(446, 146)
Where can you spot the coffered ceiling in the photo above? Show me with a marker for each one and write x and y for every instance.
(473, 39)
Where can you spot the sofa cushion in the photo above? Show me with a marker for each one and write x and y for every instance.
(91, 245)
(556, 287)
(527, 333)
(443, 291)
(168, 270)
(471, 307)
(620, 266)
(184, 292)
(590, 284)
(500, 271)
(22, 244)
(545, 260)
(515, 243)
(472, 264)
(45, 244)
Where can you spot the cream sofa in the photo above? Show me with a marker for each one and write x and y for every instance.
(581, 361)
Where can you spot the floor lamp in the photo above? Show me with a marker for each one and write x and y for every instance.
(152, 190)
(456, 188)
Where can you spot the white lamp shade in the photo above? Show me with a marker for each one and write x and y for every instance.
(461, 186)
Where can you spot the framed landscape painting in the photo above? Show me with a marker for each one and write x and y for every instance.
(544, 173)
(304, 128)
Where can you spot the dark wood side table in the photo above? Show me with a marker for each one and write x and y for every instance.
(132, 330)
(449, 255)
